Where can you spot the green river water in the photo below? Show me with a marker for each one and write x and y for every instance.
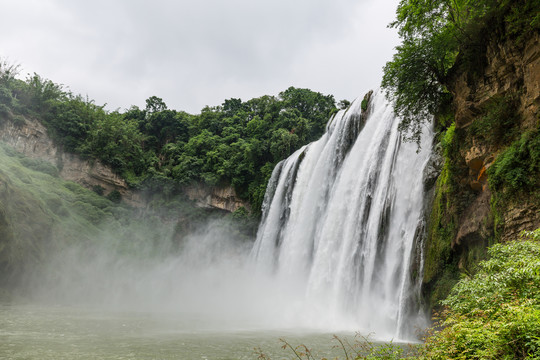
(48, 332)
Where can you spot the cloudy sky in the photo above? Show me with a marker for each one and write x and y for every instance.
(199, 52)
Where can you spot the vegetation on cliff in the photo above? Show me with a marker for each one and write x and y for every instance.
(441, 37)
(237, 143)
(444, 41)
(463, 64)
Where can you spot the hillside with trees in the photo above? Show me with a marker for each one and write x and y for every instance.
(237, 143)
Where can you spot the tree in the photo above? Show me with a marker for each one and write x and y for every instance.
(117, 142)
(312, 105)
(416, 76)
(438, 36)
(283, 143)
(71, 118)
(155, 104)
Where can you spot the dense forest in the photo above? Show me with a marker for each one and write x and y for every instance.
(237, 143)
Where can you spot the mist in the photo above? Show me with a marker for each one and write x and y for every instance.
(209, 277)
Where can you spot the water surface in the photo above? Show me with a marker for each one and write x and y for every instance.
(47, 332)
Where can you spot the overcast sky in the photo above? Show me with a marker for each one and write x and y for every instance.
(199, 52)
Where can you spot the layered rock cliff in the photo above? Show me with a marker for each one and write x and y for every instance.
(31, 139)
(496, 111)
(217, 197)
(512, 73)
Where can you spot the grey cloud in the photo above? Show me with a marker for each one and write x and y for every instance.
(196, 53)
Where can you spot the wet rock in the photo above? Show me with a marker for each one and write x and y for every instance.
(432, 170)
(522, 216)
(475, 157)
(508, 68)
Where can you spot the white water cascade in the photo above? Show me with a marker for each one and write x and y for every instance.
(343, 221)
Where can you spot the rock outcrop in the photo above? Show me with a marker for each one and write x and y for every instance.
(32, 140)
(493, 106)
(216, 197)
(511, 70)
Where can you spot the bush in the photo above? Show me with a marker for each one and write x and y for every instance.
(496, 313)
(498, 124)
(114, 196)
(517, 168)
(39, 165)
(98, 189)
(18, 121)
(4, 111)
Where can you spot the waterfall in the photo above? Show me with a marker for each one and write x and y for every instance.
(343, 221)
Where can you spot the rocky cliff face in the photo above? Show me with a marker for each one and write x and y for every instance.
(513, 72)
(509, 69)
(218, 197)
(492, 109)
(32, 140)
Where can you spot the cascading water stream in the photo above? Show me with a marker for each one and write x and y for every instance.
(342, 221)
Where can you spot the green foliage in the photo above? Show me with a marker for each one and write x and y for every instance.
(443, 219)
(517, 169)
(4, 111)
(364, 104)
(39, 165)
(416, 76)
(498, 124)
(444, 258)
(448, 142)
(496, 313)
(42, 215)
(98, 189)
(523, 17)
(439, 36)
(344, 104)
(114, 196)
(117, 142)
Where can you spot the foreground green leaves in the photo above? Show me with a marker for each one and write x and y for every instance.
(496, 313)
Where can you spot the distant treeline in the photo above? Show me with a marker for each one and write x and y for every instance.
(155, 148)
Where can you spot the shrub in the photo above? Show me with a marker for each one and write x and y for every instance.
(517, 168)
(114, 196)
(39, 165)
(98, 189)
(496, 313)
(18, 121)
(4, 111)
